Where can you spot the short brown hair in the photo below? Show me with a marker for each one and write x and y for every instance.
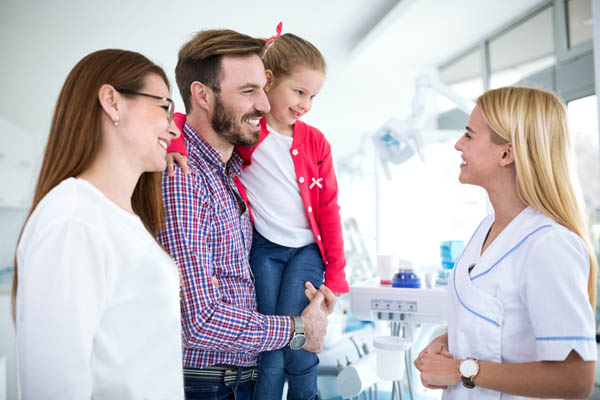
(200, 58)
(288, 52)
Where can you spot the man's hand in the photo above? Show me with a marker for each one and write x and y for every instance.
(173, 158)
(314, 317)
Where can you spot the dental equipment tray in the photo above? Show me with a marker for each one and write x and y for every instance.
(371, 301)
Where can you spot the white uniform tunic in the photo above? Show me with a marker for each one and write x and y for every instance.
(97, 303)
(524, 300)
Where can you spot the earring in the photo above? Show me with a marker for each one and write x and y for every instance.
(116, 121)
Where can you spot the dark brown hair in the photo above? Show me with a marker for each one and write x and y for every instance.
(200, 58)
(76, 132)
(288, 52)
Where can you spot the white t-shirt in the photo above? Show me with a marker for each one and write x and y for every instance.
(274, 195)
(98, 303)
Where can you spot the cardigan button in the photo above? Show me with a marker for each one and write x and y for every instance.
(301, 179)
(319, 237)
(309, 209)
(295, 152)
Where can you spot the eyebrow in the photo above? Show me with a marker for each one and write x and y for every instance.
(470, 129)
(249, 86)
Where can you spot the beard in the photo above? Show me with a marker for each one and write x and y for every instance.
(224, 122)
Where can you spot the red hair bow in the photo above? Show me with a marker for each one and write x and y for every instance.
(278, 30)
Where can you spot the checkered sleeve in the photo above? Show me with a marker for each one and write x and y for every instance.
(207, 321)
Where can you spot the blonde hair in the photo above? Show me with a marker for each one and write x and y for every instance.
(286, 53)
(535, 122)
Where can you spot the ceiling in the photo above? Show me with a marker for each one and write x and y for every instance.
(374, 49)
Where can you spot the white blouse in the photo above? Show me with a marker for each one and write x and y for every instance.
(98, 303)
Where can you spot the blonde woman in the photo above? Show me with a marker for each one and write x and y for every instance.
(523, 292)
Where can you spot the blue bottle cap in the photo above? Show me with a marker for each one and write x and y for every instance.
(406, 278)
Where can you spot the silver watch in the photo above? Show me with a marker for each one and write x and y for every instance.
(298, 337)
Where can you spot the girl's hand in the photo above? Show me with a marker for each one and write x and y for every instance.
(173, 158)
(310, 291)
(438, 371)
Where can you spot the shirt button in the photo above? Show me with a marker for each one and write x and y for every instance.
(295, 152)
(301, 179)
(309, 209)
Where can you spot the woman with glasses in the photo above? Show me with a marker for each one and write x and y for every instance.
(95, 298)
(523, 292)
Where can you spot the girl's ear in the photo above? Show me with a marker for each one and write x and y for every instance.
(270, 79)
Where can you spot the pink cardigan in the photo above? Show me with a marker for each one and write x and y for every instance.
(311, 154)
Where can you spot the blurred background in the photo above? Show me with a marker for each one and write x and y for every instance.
(414, 61)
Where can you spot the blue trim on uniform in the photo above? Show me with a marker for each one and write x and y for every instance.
(510, 251)
(454, 280)
(553, 338)
(467, 308)
(468, 243)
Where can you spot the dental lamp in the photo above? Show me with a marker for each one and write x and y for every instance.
(397, 140)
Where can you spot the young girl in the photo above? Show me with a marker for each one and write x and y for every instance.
(292, 193)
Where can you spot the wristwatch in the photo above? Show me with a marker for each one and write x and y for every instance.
(298, 337)
(468, 368)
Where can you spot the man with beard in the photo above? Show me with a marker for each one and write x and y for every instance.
(208, 231)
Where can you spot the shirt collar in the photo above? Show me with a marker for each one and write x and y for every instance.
(209, 154)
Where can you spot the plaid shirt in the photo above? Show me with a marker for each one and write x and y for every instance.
(208, 235)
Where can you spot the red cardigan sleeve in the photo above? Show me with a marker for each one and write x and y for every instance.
(330, 225)
(178, 145)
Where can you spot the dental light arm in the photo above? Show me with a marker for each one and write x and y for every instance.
(397, 140)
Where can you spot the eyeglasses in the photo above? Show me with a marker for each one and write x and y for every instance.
(170, 109)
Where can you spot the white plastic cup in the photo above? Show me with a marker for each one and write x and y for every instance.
(385, 264)
(390, 357)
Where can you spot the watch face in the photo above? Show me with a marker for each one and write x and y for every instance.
(468, 367)
(297, 342)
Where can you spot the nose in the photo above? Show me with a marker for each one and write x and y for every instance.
(262, 103)
(306, 105)
(173, 130)
(458, 144)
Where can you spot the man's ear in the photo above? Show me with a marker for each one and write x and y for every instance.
(202, 95)
(270, 79)
(109, 101)
(508, 156)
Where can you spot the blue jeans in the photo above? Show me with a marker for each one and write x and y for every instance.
(208, 390)
(280, 273)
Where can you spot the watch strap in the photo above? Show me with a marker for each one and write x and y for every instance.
(467, 382)
(298, 325)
